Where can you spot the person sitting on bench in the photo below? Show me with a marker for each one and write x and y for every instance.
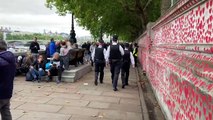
(37, 70)
(56, 68)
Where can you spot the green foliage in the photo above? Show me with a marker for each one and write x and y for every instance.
(31, 36)
(127, 18)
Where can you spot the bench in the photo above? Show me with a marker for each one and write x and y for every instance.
(80, 56)
(73, 57)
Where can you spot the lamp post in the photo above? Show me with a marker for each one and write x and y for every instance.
(72, 32)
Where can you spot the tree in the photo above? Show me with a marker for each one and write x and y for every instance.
(1, 36)
(127, 18)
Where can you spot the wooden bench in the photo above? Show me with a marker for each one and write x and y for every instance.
(80, 56)
(73, 57)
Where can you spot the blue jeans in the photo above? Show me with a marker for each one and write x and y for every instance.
(37, 74)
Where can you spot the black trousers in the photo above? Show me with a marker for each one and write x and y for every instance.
(99, 68)
(136, 61)
(125, 73)
(115, 67)
(5, 109)
(55, 72)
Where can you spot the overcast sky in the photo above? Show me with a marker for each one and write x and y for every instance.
(33, 16)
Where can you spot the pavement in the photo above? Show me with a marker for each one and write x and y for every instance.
(81, 100)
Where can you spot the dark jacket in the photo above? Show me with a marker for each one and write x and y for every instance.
(39, 65)
(7, 74)
(34, 47)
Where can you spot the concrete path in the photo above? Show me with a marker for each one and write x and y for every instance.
(81, 100)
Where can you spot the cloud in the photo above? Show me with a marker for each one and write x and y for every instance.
(24, 7)
(33, 16)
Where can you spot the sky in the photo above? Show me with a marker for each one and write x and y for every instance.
(34, 16)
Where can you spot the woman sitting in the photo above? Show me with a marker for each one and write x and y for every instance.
(27, 62)
(37, 70)
(56, 68)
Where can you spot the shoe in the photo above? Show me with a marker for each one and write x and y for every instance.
(96, 83)
(115, 89)
(123, 86)
(127, 84)
(101, 82)
(58, 81)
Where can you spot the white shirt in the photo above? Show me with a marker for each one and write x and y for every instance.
(108, 51)
(93, 53)
(131, 58)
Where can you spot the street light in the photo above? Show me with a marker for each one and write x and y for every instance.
(72, 32)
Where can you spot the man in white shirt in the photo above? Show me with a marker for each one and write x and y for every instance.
(98, 56)
(113, 57)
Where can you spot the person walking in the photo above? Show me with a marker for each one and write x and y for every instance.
(98, 56)
(7, 74)
(113, 57)
(34, 47)
(126, 61)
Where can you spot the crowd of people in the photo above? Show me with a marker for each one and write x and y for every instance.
(118, 55)
(36, 65)
(100, 54)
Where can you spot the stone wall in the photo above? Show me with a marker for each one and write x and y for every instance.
(177, 54)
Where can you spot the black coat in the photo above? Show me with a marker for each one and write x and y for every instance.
(7, 74)
(34, 47)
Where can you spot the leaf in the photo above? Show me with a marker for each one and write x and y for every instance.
(127, 18)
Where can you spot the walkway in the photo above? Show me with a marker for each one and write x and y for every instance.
(76, 101)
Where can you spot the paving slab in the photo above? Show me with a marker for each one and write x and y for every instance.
(17, 114)
(130, 101)
(66, 95)
(101, 98)
(44, 116)
(32, 99)
(39, 107)
(99, 105)
(90, 112)
(121, 95)
(81, 100)
(68, 102)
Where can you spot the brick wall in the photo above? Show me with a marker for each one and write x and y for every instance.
(177, 54)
